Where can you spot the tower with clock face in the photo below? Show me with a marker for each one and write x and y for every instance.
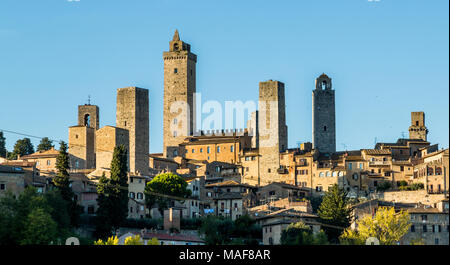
(179, 90)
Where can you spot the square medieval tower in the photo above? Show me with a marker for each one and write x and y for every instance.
(179, 90)
(132, 114)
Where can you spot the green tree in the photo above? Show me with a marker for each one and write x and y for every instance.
(62, 183)
(113, 240)
(387, 226)
(216, 230)
(167, 184)
(40, 229)
(45, 144)
(301, 234)
(335, 210)
(113, 195)
(22, 147)
(3, 151)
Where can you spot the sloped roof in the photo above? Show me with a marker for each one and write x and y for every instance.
(42, 154)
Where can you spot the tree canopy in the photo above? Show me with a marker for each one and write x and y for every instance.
(3, 151)
(45, 144)
(22, 147)
(387, 226)
(113, 195)
(167, 184)
(301, 234)
(335, 210)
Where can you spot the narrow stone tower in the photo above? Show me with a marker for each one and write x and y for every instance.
(132, 114)
(271, 128)
(418, 130)
(82, 138)
(323, 116)
(179, 90)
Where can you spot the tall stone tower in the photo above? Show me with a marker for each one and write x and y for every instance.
(132, 114)
(82, 138)
(323, 116)
(418, 130)
(271, 128)
(179, 90)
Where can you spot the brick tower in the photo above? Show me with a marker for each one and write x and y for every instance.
(179, 90)
(323, 116)
(82, 138)
(418, 130)
(132, 114)
(272, 129)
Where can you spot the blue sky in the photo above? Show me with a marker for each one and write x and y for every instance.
(385, 58)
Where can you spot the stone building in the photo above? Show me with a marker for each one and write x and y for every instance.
(418, 130)
(179, 90)
(109, 137)
(45, 161)
(132, 114)
(324, 116)
(81, 146)
(272, 129)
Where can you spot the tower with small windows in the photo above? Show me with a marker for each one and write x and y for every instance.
(179, 90)
(418, 130)
(81, 147)
(323, 116)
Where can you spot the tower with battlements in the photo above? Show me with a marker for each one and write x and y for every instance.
(418, 130)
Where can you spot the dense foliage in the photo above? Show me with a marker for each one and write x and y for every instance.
(113, 195)
(166, 184)
(223, 231)
(335, 211)
(45, 144)
(22, 147)
(387, 226)
(301, 234)
(34, 218)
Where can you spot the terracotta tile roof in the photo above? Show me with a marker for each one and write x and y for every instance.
(377, 151)
(42, 154)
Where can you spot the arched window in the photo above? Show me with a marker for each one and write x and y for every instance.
(87, 120)
(438, 171)
(324, 84)
(321, 174)
(355, 176)
(328, 174)
(341, 173)
(175, 47)
(335, 174)
(430, 171)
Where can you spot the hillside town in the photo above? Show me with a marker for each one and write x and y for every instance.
(250, 173)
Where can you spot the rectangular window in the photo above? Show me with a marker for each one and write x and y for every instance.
(360, 165)
(201, 150)
(232, 148)
(349, 165)
(3, 186)
(402, 168)
(193, 150)
(207, 150)
(425, 228)
(218, 149)
(413, 228)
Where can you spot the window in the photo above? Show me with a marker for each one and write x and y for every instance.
(48, 162)
(193, 150)
(413, 228)
(175, 121)
(217, 169)
(328, 174)
(324, 128)
(232, 148)
(87, 120)
(218, 149)
(402, 168)
(349, 165)
(438, 171)
(318, 188)
(132, 195)
(387, 174)
(175, 152)
(361, 166)
(425, 229)
(424, 217)
(174, 133)
(436, 241)
(201, 150)
(191, 71)
(207, 150)
(140, 196)
(355, 176)
(321, 174)
(175, 70)
(131, 209)
(77, 164)
(2, 186)
(268, 170)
